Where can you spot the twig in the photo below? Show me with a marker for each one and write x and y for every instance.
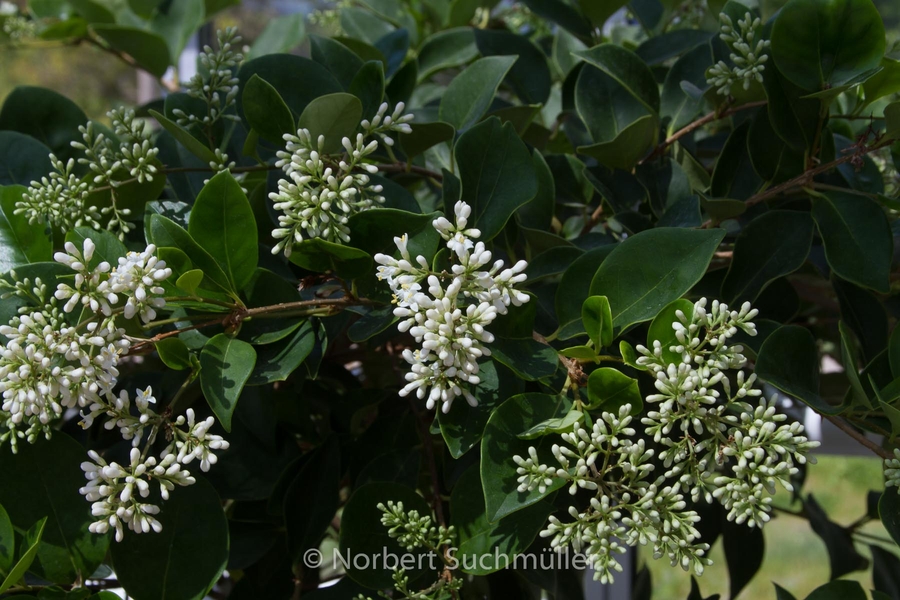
(859, 437)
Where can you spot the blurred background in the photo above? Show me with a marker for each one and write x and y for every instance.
(796, 557)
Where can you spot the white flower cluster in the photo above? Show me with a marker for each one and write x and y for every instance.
(63, 197)
(51, 363)
(749, 60)
(322, 191)
(450, 315)
(892, 471)
(112, 487)
(218, 87)
(412, 530)
(629, 508)
(716, 446)
(15, 25)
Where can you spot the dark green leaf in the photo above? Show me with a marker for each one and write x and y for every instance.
(368, 86)
(744, 548)
(842, 554)
(340, 60)
(266, 112)
(446, 49)
(226, 364)
(222, 223)
(499, 541)
(424, 136)
(497, 173)
(526, 357)
(772, 245)
(320, 256)
(501, 442)
(469, 94)
(174, 353)
(651, 269)
(363, 535)
(562, 13)
(335, 116)
(32, 541)
(45, 115)
(597, 319)
(676, 104)
(52, 470)
(889, 511)
(838, 590)
(312, 499)
(826, 43)
(20, 242)
(23, 159)
(276, 361)
(185, 138)
(574, 288)
(148, 50)
(529, 77)
(7, 542)
(298, 80)
(661, 328)
(178, 22)
(857, 238)
(186, 558)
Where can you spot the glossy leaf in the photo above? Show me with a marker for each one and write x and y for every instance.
(266, 112)
(857, 238)
(7, 542)
(32, 540)
(597, 319)
(469, 95)
(23, 159)
(335, 116)
(497, 174)
(20, 241)
(529, 76)
(446, 49)
(282, 34)
(45, 115)
(222, 223)
(609, 389)
(149, 50)
(226, 365)
(661, 328)
(191, 550)
(651, 269)
(501, 442)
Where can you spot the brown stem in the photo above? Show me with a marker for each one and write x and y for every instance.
(705, 119)
(859, 437)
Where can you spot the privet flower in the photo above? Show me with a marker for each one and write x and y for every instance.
(447, 312)
(216, 84)
(49, 364)
(412, 530)
(749, 59)
(15, 25)
(62, 197)
(892, 471)
(322, 191)
(716, 446)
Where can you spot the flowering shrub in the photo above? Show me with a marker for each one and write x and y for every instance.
(469, 284)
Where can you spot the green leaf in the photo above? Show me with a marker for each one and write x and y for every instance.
(574, 289)
(174, 353)
(463, 426)
(580, 352)
(842, 554)
(368, 86)
(276, 361)
(651, 269)
(529, 77)
(849, 353)
(470, 93)
(661, 328)
(789, 360)
(894, 351)
(819, 44)
(93, 11)
(226, 364)
(340, 60)
(185, 138)
(266, 111)
(745, 548)
(222, 223)
(51, 469)
(20, 242)
(689, 71)
(7, 542)
(363, 535)
(335, 116)
(298, 80)
(265, 289)
(320, 256)
(597, 319)
(889, 512)
(857, 238)
(883, 83)
(526, 357)
(32, 540)
(178, 23)
(148, 50)
(45, 115)
(190, 280)
(374, 230)
(563, 13)
(23, 159)
(626, 69)
(486, 547)
(312, 499)
(555, 425)
(609, 389)
(501, 442)
(794, 118)
(424, 136)
(371, 324)
(281, 35)
(892, 120)
(770, 246)
(497, 174)
(186, 558)
(445, 50)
